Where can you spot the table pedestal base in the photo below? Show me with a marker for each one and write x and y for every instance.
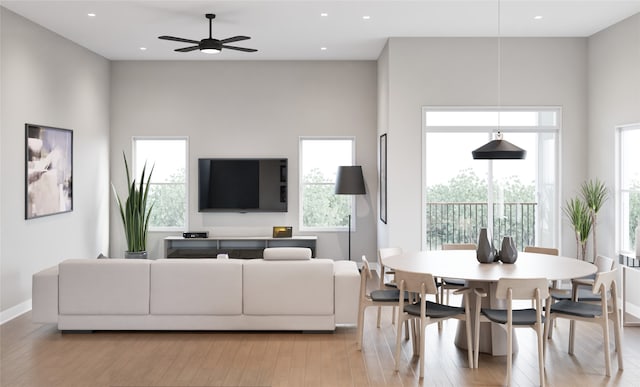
(493, 337)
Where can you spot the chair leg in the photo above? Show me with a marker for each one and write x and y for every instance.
(540, 335)
(469, 345)
(379, 313)
(360, 327)
(423, 325)
(393, 317)
(509, 352)
(616, 333)
(572, 335)
(406, 329)
(398, 344)
(476, 347)
(607, 355)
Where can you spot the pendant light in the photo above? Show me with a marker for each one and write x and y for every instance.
(499, 149)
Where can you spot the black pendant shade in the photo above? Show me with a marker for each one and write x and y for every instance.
(499, 149)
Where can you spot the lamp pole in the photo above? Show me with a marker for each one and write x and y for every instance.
(349, 181)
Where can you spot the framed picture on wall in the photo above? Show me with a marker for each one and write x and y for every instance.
(383, 178)
(48, 171)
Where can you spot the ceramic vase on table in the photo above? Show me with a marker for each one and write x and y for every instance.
(485, 252)
(508, 252)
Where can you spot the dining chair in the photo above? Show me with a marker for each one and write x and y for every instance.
(384, 272)
(379, 297)
(605, 285)
(544, 250)
(447, 284)
(581, 288)
(510, 289)
(423, 313)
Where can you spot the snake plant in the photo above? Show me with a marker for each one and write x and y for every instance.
(135, 211)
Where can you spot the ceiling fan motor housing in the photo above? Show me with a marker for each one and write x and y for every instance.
(210, 44)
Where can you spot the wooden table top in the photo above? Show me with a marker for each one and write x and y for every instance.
(464, 265)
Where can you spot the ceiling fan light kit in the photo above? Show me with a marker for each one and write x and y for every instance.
(209, 45)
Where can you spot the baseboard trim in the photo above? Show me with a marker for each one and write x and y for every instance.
(15, 311)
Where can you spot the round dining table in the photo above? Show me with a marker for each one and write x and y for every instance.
(462, 264)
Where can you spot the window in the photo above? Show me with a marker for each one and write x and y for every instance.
(168, 188)
(320, 208)
(516, 198)
(629, 185)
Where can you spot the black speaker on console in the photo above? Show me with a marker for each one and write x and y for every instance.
(195, 234)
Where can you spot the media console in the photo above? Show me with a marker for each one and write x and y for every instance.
(235, 247)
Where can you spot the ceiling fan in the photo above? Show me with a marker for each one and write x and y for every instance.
(209, 45)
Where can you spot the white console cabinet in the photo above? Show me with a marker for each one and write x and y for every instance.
(235, 247)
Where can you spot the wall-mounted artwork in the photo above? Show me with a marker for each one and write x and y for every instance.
(48, 171)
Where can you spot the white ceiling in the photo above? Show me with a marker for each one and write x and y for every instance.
(295, 29)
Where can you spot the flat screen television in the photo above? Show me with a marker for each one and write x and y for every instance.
(242, 185)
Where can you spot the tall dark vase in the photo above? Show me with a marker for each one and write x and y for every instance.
(485, 252)
(508, 252)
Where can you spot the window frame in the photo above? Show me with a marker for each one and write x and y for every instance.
(302, 184)
(491, 130)
(620, 229)
(134, 140)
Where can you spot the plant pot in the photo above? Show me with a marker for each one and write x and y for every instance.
(136, 254)
(485, 252)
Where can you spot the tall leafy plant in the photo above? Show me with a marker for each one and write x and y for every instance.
(594, 193)
(135, 211)
(579, 215)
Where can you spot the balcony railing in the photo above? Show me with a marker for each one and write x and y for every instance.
(461, 223)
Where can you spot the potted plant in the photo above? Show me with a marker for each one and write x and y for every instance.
(135, 212)
(594, 194)
(578, 214)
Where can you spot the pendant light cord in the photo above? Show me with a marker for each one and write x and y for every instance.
(499, 73)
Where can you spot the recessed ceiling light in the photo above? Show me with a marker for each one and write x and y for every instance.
(143, 48)
(537, 17)
(324, 14)
(323, 49)
(366, 17)
(91, 14)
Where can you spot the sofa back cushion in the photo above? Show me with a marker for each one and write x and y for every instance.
(104, 287)
(286, 254)
(196, 287)
(288, 287)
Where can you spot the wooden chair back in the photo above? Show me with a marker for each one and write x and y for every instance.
(416, 282)
(541, 250)
(522, 289)
(604, 263)
(459, 246)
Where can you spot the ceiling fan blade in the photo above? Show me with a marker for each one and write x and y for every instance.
(187, 49)
(234, 39)
(164, 37)
(240, 48)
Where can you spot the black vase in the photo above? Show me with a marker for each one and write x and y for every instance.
(508, 252)
(485, 252)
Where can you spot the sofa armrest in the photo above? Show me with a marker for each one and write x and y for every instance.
(44, 294)
(346, 292)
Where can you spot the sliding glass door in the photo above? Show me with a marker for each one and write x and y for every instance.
(516, 198)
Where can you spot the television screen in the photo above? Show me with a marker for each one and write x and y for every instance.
(242, 185)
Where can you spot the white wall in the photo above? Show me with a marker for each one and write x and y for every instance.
(48, 80)
(249, 109)
(464, 72)
(614, 99)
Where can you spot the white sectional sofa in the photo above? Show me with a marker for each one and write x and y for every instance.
(280, 292)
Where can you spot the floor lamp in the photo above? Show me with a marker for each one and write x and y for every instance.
(349, 181)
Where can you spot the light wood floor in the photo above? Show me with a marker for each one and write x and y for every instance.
(39, 355)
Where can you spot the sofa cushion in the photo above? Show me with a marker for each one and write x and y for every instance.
(286, 253)
(104, 286)
(288, 287)
(196, 287)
